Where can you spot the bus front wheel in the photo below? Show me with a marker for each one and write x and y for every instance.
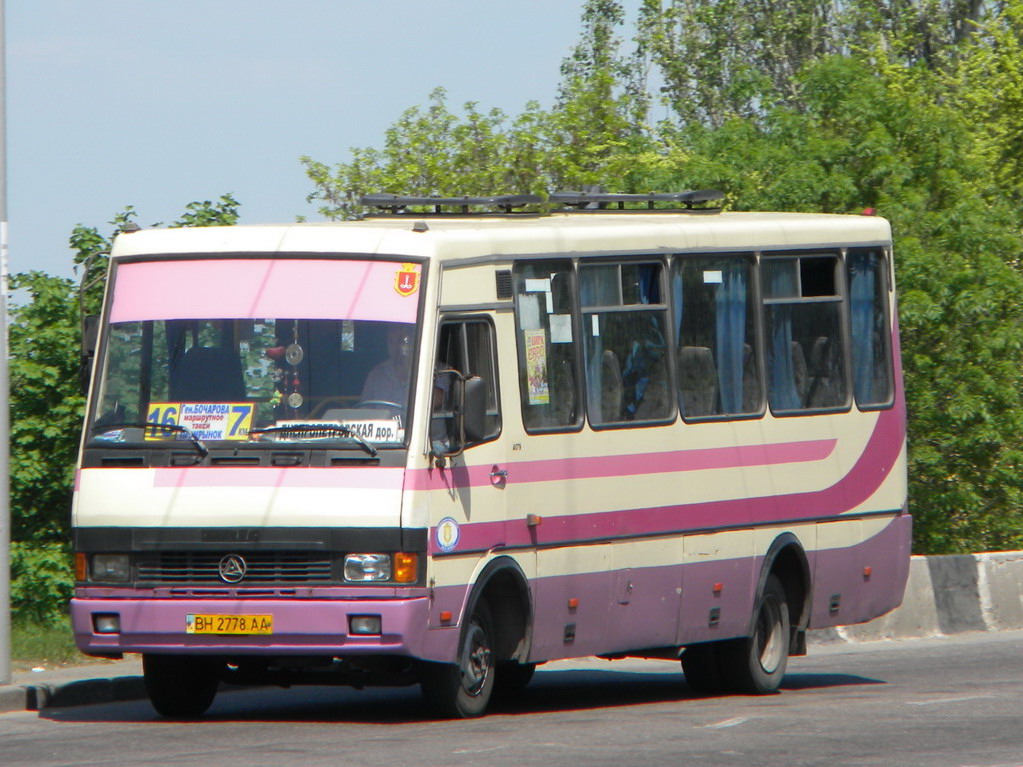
(180, 686)
(756, 664)
(463, 689)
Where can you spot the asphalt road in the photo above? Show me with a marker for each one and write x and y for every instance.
(955, 701)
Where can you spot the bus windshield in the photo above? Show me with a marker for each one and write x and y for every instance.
(326, 365)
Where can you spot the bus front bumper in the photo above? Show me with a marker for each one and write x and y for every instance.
(111, 627)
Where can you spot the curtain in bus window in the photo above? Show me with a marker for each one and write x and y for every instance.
(869, 329)
(861, 300)
(783, 355)
(730, 309)
(718, 369)
(597, 285)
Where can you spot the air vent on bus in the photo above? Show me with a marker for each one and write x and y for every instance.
(504, 284)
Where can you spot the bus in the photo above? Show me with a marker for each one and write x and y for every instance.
(461, 437)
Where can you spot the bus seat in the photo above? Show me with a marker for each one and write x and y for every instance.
(750, 381)
(800, 379)
(824, 388)
(698, 381)
(562, 393)
(611, 387)
(208, 374)
(656, 402)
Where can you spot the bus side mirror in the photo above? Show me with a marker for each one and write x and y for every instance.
(90, 335)
(474, 410)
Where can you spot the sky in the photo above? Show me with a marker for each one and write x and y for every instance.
(156, 103)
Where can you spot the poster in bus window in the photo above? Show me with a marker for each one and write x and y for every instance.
(536, 366)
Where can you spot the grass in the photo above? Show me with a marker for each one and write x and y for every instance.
(47, 646)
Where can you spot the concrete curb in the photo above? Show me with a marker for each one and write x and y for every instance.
(79, 692)
(944, 595)
(949, 595)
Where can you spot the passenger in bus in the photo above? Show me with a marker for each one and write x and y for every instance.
(440, 421)
(389, 381)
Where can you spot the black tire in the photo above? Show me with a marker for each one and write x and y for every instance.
(756, 664)
(512, 678)
(463, 690)
(700, 665)
(181, 686)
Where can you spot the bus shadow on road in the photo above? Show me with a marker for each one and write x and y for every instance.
(550, 692)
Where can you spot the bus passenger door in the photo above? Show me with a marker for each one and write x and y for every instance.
(469, 518)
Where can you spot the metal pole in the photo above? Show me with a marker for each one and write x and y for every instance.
(5, 416)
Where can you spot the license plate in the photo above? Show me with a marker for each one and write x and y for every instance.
(229, 624)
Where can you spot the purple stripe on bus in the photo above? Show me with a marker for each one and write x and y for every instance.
(616, 611)
(866, 476)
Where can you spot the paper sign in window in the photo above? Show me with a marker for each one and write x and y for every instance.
(536, 367)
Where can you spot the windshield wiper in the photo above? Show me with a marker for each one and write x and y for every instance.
(196, 442)
(328, 429)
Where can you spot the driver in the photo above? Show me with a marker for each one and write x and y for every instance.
(389, 381)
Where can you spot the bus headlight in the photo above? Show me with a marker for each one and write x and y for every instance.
(362, 568)
(110, 567)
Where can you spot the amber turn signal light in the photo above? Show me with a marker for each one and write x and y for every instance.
(406, 567)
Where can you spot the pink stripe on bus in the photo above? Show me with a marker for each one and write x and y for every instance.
(258, 288)
(559, 469)
(290, 477)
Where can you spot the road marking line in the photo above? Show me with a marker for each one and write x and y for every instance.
(946, 700)
(733, 722)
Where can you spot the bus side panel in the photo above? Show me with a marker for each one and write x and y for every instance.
(572, 601)
(646, 587)
(854, 584)
(718, 582)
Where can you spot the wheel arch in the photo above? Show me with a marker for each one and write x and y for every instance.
(505, 588)
(787, 559)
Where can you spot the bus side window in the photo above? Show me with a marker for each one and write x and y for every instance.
(867, 272)
(717, 351)
(625, 324)
(803, 328)
(546, 350)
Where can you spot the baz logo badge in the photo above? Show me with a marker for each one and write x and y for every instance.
(406, 281)
(232, 568)
(447, 534)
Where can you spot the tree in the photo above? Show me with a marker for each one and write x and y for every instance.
(47, 407)
(910, 108)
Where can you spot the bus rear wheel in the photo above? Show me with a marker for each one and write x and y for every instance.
(756, 664)
(180, 686)
(463, 689)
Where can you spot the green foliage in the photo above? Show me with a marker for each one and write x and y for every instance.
(910, 108)
(41, 583)
(43, 644)
(47, 406)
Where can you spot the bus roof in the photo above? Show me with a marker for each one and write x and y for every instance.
(453, 237)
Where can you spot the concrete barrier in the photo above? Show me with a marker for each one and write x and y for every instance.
(948, 595)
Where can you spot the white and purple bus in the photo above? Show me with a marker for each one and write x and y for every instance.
(440, 448)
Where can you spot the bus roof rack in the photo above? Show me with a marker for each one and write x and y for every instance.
(396, 203)
(602, 200)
